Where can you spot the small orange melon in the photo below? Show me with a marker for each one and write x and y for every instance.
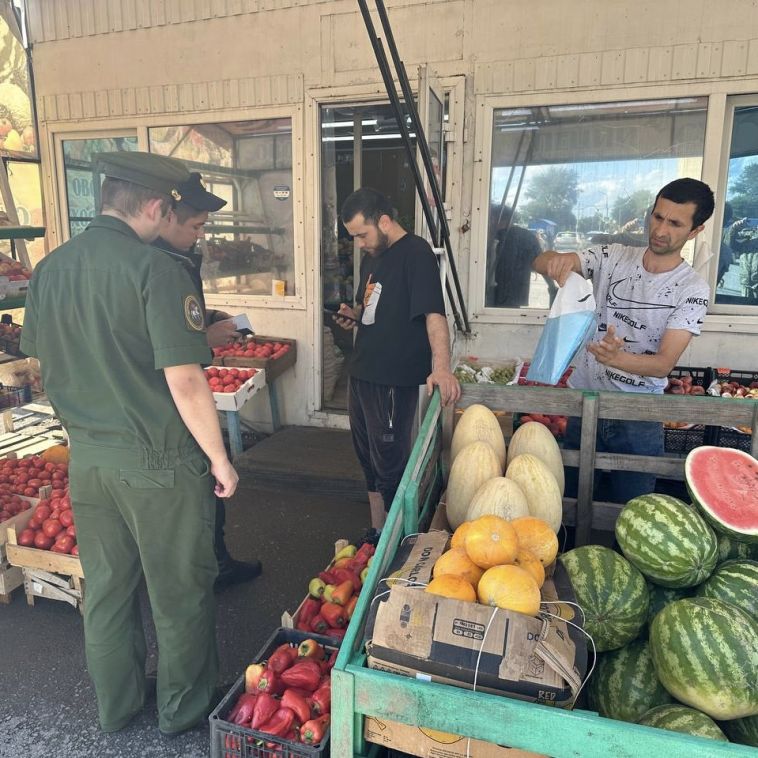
(510, 587)
(538, 537)
(457, 562)
(459, 535)
(491, 541)
(528, 561)
(451, 586)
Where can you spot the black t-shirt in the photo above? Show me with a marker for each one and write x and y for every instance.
(392, 346)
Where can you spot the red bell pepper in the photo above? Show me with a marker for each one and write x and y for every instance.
(246, 703)
(305, 674)
(336, 632)
(302, 626)
(312, 732)
(296, 703)
(318, 624)
(280, 723)
(345, 575)
(232, 715)
(270, 682)
(322, 699)
(265, 708)
(310, 649)
(328, 577)
(334, 614)
(282, 658)
(332, 659)
(300, 691)
(309, 609)
(253, 673)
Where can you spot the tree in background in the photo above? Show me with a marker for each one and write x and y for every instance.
(744, 193)
(552, 194)
(634, 206)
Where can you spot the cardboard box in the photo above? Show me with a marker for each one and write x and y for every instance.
(413, 633)
(233, 401)
(430, 743)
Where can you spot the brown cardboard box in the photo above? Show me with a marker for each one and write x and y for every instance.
(429, 743)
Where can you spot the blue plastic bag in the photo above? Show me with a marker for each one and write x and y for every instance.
(569, 326)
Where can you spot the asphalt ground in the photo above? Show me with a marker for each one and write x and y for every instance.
(47, 702)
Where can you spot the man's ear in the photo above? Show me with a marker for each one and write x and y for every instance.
(695, 231)
(384, 224)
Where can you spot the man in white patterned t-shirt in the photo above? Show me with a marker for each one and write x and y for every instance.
(650, 303)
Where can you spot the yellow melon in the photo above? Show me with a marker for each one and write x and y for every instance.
(455, 587)
(55, 454)
(472, 467)
(528, 561)
(457, 562)
(540, 487)
(510, 587)
(536, 536)
(478, 423)
(490, 541)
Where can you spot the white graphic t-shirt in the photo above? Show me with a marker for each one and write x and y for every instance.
(642, 306)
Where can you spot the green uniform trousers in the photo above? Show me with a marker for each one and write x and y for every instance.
(133, 520)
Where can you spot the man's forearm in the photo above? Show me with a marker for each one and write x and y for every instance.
(439, 341)
(194, 401)
(645, 365)
(540, 263)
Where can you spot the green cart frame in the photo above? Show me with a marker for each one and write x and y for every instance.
(358, 691)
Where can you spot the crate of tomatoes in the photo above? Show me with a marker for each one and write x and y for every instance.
(274, 354)
(233, 387)
(281, 705)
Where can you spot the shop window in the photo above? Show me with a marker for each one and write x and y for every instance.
(26, 189)
(737, 275)
(249, 244)
(82, 181)
(563, 177)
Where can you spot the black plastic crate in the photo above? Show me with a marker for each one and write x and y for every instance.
(728, 437)
(701, 376)
(732, 375)
(681, 441)
(232, 741)
(12, 397)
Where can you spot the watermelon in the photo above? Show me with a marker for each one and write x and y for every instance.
(611, 592)
(705, 653)
(680, 718)
(743, 731)
(667, 540)
(734, 582)
(624, 685)
(723, 483)
(729, 548)
(660, 597)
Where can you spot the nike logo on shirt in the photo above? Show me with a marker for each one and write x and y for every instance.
(612, 298)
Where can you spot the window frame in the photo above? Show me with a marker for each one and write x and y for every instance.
(126, 126)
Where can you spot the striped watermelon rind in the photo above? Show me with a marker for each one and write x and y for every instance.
(611, 592)
(734, 582)
(723, 484)
(624, 685)
(660, 597)
(667, 540)
(742, 731)
(730, 548)
(705, 653)
(680, 718)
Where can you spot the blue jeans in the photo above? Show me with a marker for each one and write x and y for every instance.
(615, 436)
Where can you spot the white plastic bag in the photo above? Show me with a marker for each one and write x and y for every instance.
(569, 326)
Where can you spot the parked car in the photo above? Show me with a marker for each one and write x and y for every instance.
(569, 242)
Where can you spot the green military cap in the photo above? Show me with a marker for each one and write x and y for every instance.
(156, 172)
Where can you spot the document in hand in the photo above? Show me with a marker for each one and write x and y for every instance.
(570, 324)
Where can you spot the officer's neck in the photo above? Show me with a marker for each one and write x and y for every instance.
(145, 228)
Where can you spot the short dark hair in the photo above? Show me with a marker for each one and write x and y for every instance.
(185, 212)
(128, 198)
(690, 191)
(371, 203)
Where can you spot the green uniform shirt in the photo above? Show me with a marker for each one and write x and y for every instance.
(105, 313)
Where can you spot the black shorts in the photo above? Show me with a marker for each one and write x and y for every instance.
(381, 422)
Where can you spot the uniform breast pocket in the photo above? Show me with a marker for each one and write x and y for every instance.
(147, 479)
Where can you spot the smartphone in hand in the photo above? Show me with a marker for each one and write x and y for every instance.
(336, 315)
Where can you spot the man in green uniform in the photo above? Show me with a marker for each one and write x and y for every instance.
(120, 334)
(182, 227)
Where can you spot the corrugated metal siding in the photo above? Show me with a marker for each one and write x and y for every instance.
(172, 98)
(618, 67)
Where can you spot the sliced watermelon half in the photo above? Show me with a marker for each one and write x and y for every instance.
(723, 483)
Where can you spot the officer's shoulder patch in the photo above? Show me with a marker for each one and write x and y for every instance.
(193, 313)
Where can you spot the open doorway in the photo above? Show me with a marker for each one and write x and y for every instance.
(360, 147)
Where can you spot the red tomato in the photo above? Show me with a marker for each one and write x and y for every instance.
(34, 523)
(64, 544)
(42, 541)
(37, 483)
(75, 550)
(51, 527)
(67, 517)
(71, 530)
(42, 512)
(49, 467)
(26, 538)
(31, 492)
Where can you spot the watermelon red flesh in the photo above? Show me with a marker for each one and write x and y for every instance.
(723, 483)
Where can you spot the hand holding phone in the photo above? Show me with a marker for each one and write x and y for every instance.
(337, 315)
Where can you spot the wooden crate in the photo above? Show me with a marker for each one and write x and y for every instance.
(11, 577)
(46, 574)
(273, 367)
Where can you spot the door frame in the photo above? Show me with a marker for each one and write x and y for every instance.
(363, 95)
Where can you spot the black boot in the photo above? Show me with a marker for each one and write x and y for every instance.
(230, 571)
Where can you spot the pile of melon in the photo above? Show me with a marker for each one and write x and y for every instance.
(505, 506)
(487, 480)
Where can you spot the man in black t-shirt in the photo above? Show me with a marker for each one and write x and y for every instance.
(403, 341)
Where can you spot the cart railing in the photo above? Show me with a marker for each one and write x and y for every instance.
(358, 692)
